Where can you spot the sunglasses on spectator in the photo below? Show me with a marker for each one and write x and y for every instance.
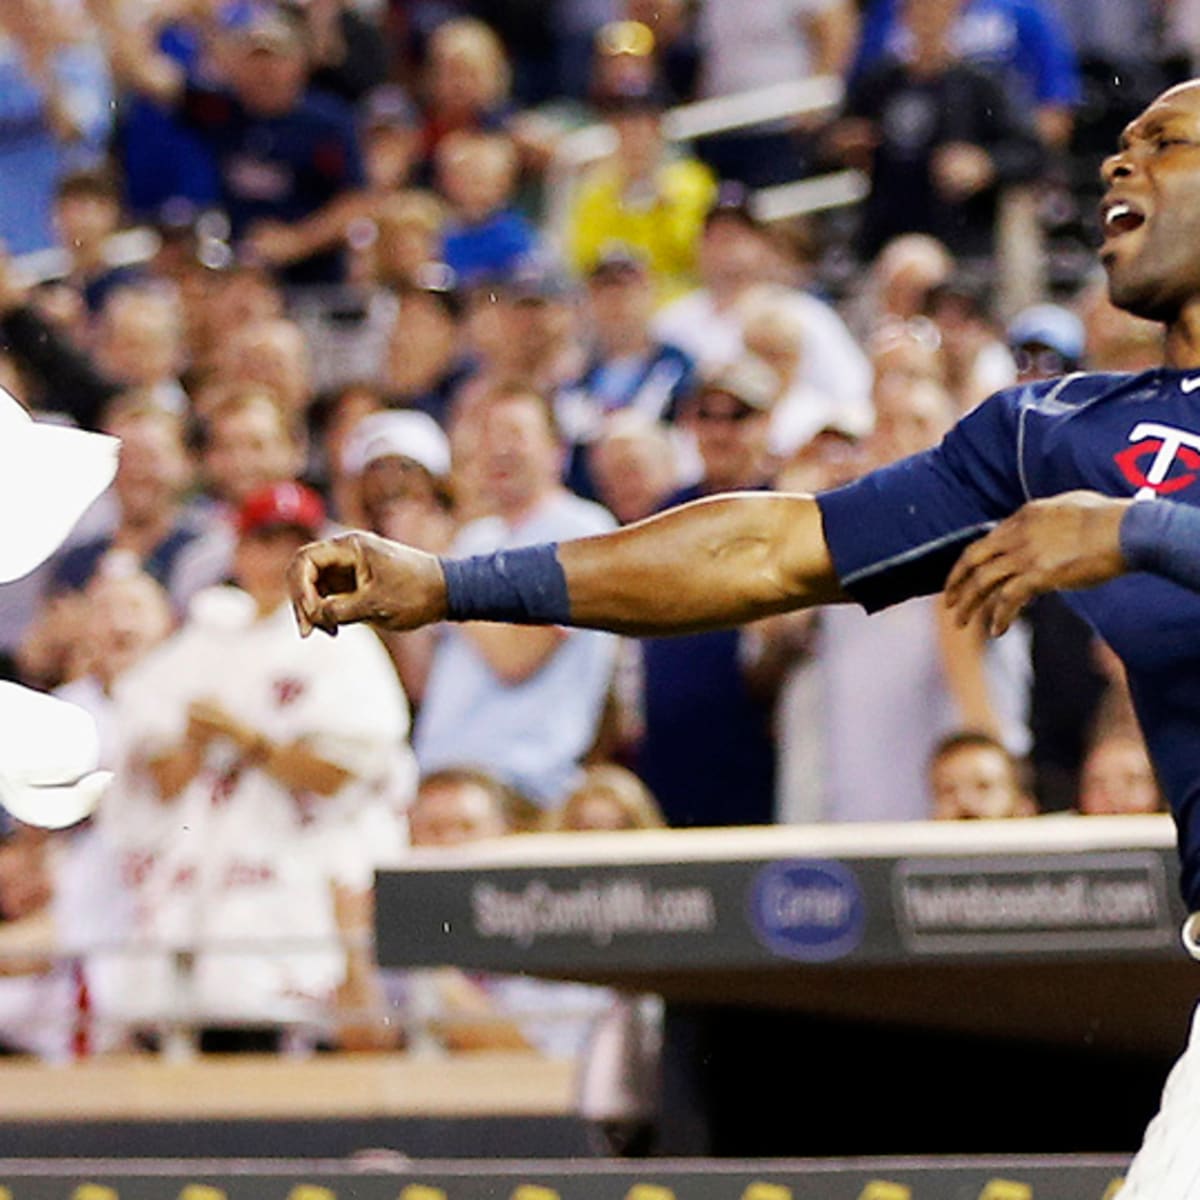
(1041, 360)
(742, 412)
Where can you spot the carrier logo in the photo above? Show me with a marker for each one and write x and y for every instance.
(1160, 459)
(806, 910)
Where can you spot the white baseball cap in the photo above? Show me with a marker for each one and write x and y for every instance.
(399, 433)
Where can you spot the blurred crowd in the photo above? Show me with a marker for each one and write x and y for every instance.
(327, 264)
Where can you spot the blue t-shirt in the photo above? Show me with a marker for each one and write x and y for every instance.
(897, 532)
(707, 753)
(282, 168)
(490, 248)
(1020, 39)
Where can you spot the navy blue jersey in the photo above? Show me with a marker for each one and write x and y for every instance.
(897, 532)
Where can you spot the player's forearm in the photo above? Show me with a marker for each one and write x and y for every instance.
(706, 565)
(1163, 537)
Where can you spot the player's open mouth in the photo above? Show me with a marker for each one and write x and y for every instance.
(1119, 217)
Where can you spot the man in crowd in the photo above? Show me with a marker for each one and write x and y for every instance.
(523, 703)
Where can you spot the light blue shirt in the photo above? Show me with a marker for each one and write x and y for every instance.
(32, 158)
(531, 734)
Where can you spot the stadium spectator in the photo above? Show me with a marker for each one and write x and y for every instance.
(289, 158)
(677, 51)
(457, 807)
(774, 330)
(1021, 43)
(975, 357)
(523, 703)
(972, 777)
(777, 41)
(257, 771)
(140, 345)
(391, 138)
(1117, 777)
(55, 115)
(1046, 341)
(521, 328)
(628, 368)
(87, 213)
(706, 751)
(890, 687)
(409, 225)
(609, 798)
(426, 363)
(939, 137)
(346, 50)
(485, 237)
(635, 465)
(467, 83)
(399, 465)
(166, 166)
(127, 615)
(272, 354)
(734, 256)
(898, 283)
(246, 442)
(153, 526)
(642, 196)
(217, 305)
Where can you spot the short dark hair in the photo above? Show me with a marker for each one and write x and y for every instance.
(976, 739)
(96, 182)
(520, 389)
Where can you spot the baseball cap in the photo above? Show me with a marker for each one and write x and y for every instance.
(733, 199)
(747, 379)
(265, 27)
(633, 95)
(281, 505)
(399, 434)
(535, 278)
(618, 259)
(389, 107)
(625, 37)
(1048, 325)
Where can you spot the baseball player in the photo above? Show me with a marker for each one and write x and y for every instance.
(1088, 484)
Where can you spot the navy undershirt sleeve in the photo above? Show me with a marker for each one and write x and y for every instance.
(897, 532)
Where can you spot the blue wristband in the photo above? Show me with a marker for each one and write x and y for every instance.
(1163, 537)
(524, 587)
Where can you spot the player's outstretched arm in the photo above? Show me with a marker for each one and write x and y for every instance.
(712, 563)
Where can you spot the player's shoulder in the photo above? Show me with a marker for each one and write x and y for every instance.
(1069, 393)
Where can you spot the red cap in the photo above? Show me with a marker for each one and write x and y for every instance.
(282, 504)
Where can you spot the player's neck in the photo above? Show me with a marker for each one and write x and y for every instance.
(1181, 349)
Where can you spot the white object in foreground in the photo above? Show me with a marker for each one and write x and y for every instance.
(49, 750)
(48, 475)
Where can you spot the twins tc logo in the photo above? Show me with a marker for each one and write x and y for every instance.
(1160, 459)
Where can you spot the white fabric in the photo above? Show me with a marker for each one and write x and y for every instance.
(752, 45)
(884, 703)
(832, 363)
(1167, 1167)
(49, 474)
(49, 752)
(236, 856)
